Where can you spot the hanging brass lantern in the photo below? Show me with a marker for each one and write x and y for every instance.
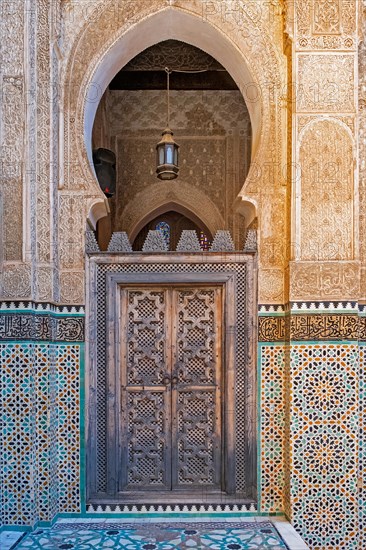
(167, 149)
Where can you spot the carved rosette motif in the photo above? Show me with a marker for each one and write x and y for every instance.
(325, 83)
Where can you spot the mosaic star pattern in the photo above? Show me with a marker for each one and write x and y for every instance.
(323, 444)
(321, 448)
(148, 536)
(40, 431)
(272, 409)
(68, 432)
(362, 446)
(18, 433)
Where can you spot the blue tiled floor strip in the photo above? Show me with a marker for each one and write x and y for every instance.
(241, 535)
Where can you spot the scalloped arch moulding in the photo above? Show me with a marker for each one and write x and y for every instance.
(111, 34)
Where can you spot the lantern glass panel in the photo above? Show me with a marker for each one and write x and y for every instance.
(176, 156)
(169, 154)
(161, 154)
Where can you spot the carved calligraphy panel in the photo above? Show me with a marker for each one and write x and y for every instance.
(324, 281)
(324, 327)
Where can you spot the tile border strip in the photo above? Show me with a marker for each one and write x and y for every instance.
(170, 508)
(310, 321)
(41, 322)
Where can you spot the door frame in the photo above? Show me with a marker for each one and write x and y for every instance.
(117, 281)
(243, 269)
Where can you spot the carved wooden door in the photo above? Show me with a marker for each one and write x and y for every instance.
(171, 388)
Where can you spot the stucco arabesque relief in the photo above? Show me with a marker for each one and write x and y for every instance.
(326, 225)
(29, 141)
(362, 148)
(326, 25)
(259, 36)
(13, 85)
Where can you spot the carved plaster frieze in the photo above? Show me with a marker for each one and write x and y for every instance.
(72, 287)
(303, 120)
(324, 281)
(327, 192)
(253, 28)
(271, 286)
(45, 277)
(72, 217)
(104, 30)
(326, 24)
(16, 282)
(325, 83)
(310, 327)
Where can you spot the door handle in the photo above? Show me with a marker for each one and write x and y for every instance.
(166, 380)
(175, 380)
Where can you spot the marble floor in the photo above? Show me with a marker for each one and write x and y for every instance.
(9, 539)
(150, 534)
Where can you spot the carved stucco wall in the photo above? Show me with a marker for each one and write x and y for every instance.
(214, 134)
(327, 185)
(86, 32)
(43, 254)
(325, 204)
(362, 149)
(257, 33)
(321, 494)
(29, 149)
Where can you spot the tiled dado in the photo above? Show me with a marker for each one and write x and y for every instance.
(272, 426)
(309, 360)
(362, 444)
(40, 425)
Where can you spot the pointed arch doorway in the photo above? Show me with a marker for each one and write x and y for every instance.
(176, 417)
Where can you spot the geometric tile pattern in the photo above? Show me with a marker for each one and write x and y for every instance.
(68, 433)
(272, 427)
(150, 536)
(45, 424)
(362, 446)
(324, 443)
(39, 422)
(18, 433)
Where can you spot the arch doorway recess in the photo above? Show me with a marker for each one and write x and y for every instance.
(173, 352)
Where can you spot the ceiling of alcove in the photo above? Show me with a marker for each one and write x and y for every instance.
(146, 70)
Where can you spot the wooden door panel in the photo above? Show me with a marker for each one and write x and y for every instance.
(146, 396)
(196, 388)
(146, 346)
(170, 388)
(195, 460)
(146, 442)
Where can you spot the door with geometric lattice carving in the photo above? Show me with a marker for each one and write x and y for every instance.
(171, 375)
